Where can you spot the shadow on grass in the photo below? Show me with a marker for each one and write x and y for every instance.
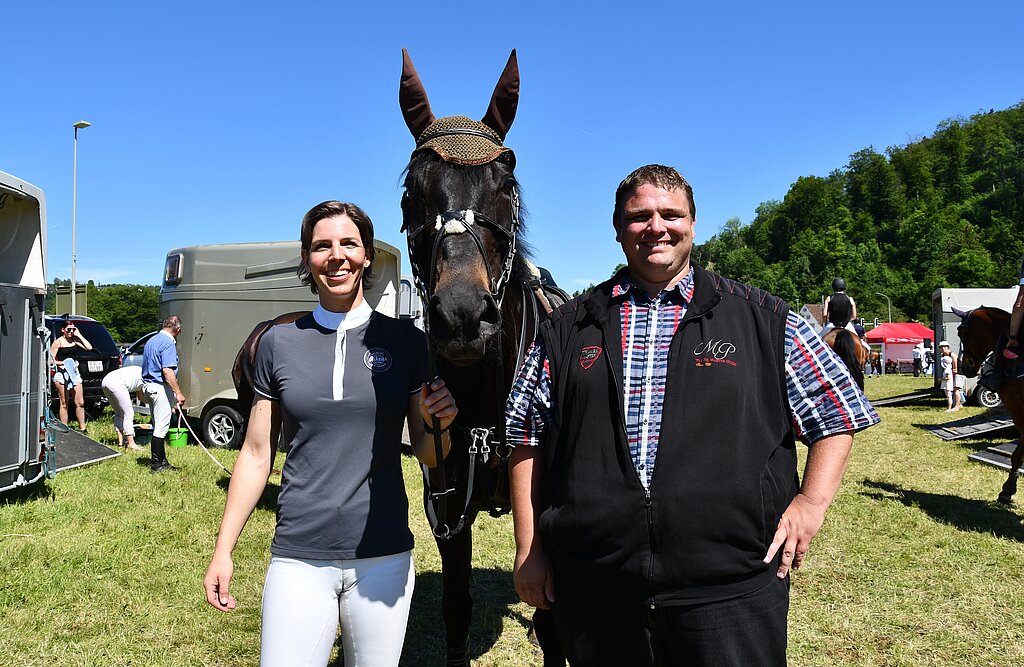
(25, 494)
(268, 499)
(977, 516)
(493, 597)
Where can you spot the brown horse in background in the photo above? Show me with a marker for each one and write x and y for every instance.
(847, 347)
(981, 331)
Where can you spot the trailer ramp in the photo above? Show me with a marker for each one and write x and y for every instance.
(996, 455)
(75, 450)
(972, 427)
(908, 398)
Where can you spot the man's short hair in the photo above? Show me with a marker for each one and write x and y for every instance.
(657, 175)
(173, 323)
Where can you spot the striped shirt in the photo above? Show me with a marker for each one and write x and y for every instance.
(822, 396)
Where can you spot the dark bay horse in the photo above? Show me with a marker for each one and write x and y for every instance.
(463, 221)
(847, 347)
(981, 331)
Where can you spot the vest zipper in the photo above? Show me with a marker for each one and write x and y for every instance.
(650, 537)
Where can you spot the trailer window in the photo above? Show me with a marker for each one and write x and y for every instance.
(172, 269)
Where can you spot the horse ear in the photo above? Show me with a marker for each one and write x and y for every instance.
(962, 314)
(412, 97)
(504, 99)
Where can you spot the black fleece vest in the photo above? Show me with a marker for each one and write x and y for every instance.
(726, 462)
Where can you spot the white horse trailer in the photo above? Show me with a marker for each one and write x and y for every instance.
(23, 382)
(221, 292)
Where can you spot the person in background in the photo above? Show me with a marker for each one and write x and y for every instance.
(840, 308)
(160, 385)
(66, 377)
(947, 362)
(918, 354)
(118, 386)
(1012, 350)
(655, 494)
(342, 381)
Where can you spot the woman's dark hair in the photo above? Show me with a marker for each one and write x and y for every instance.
(331, 209)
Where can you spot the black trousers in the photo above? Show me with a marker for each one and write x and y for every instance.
(598, 627)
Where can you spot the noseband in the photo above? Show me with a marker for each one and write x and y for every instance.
(466, 221)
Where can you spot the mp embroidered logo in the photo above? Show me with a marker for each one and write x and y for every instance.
(714, 352)
(589, 355)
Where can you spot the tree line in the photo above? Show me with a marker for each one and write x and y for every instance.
(128, 311)
(944, 211)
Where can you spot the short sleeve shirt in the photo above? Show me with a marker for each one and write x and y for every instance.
(344, 394)
(160, 353)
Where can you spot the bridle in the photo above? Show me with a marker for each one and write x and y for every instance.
(465, 221)
(963, 331)
(484, 440)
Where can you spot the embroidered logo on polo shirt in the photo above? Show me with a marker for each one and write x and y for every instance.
(377, 359)
(714, 352)
(589, 355)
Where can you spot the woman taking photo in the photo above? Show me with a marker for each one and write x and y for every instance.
(67, 379)
(342, 381)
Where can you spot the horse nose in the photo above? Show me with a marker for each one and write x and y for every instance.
(465, 317)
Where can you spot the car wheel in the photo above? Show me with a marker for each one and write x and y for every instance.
(987, 398)
(223, 427)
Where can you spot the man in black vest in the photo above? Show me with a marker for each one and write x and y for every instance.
(656, 500)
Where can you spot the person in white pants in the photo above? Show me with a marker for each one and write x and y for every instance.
(160, 384)
(118, 386)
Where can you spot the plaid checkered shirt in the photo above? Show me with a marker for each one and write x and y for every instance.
(822, 396)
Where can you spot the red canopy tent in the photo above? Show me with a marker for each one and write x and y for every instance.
(898, 340)
(900, 332)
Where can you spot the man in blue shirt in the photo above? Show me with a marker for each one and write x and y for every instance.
(160, 384)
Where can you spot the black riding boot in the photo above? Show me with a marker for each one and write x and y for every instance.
(158, 456)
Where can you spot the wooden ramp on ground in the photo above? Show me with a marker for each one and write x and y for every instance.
(74, 450)
(996, 455)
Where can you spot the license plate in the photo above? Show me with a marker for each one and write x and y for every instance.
(95, 366)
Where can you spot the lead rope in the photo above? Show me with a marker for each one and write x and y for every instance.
(199, 441)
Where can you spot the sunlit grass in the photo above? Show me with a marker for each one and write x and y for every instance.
(915, 565)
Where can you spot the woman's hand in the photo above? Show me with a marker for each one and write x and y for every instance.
(437, 401)
(217, 582)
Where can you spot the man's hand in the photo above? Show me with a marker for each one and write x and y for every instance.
(799, 524)
(533, 578)
(179, 397)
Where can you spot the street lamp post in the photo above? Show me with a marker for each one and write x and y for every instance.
(82, 124)
(890, 305)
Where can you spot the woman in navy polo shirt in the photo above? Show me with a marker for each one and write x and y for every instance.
(342, 381)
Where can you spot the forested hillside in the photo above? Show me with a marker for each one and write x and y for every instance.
(945, 211)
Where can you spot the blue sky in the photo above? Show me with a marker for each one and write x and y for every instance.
(224, 122)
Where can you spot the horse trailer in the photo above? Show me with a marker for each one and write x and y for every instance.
(24, 385)
(945, 323)
(221, 292)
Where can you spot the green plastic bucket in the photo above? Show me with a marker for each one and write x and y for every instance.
(177, 437)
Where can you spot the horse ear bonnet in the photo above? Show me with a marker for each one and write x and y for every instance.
(460, 139)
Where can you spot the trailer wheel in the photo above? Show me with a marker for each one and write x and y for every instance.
(223, 427)
(987, 398)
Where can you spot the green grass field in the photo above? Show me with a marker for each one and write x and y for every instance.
(915, 565)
